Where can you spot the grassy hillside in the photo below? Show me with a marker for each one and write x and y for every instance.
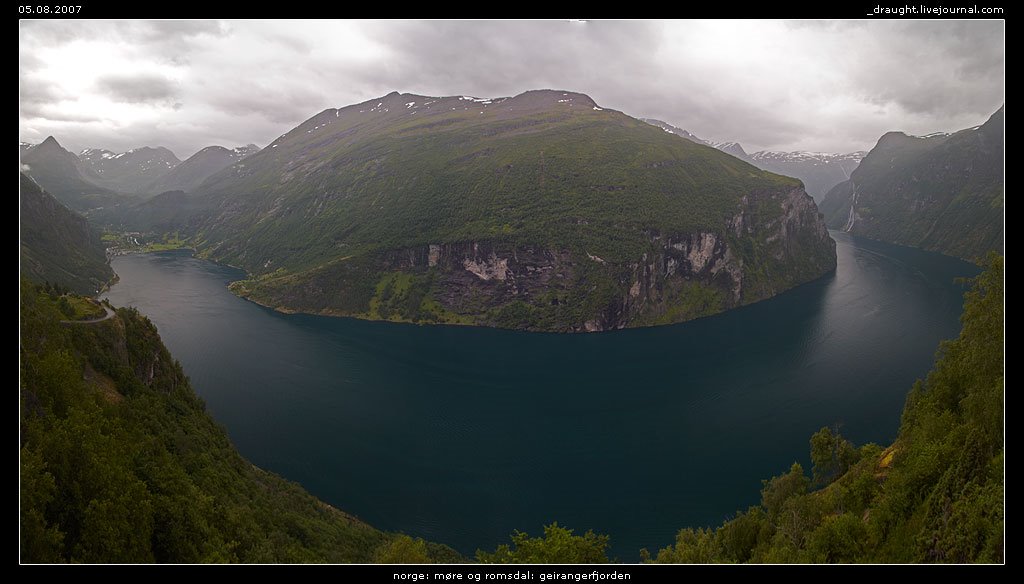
(528, 168)
(121, 463)
(541, 211)
(935, 495)
(942, 193)
(58, 245)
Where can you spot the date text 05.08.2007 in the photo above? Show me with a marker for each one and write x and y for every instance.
(49, 9)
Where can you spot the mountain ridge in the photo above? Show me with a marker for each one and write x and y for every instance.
(131, 171)
(195, 169)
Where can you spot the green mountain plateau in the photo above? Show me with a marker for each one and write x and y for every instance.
(541, 211)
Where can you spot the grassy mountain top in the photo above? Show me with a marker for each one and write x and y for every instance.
(547, 201)
(545, 167)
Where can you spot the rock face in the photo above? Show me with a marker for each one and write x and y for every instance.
(678, 278)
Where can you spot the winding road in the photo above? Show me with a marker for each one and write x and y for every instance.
(110, 313)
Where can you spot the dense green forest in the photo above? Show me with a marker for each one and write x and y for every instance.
(121, 463)
(935, 495)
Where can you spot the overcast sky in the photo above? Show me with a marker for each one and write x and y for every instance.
(804, 85)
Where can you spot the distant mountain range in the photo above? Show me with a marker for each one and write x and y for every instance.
(128, 172)
(203, 164)
(542, 211)
(66, 177)
(819, 171)
(99, 179)
(942, 192)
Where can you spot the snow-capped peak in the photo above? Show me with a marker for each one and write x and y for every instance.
(805, 156)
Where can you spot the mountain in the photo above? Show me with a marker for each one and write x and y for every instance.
(193, 171)
(58, 245)
(541, 211)
(819, 171)
(129, 172)
(941, 192)
(64, 176)
(935, 495)
(121, 463)
(163, 213)
(732, 148)
(23, 146)
(677, 131)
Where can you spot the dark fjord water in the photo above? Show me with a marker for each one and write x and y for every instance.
(461, 435)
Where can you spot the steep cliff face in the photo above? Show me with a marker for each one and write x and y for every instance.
(775, 240)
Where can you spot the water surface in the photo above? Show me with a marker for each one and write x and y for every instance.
(461, 434)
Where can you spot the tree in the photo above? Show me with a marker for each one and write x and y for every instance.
(693, 546)
(558, 546)
(831, 455)
(402, 550)
(780, 489)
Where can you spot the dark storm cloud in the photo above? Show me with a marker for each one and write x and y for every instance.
(137, 88)
(815, 85)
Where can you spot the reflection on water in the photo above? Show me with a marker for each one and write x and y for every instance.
(462, 434)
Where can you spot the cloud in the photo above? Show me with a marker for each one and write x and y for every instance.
(811, 85)
(137, 88)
